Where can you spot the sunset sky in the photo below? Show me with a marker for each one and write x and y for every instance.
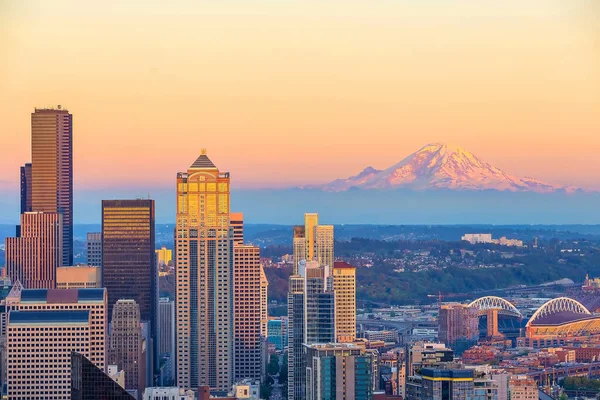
(283, 93)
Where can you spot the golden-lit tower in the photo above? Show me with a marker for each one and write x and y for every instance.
(204, 273)
(311, 220)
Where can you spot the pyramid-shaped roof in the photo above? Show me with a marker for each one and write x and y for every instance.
(203, 162)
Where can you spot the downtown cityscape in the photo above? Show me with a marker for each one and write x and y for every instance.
(259, 200)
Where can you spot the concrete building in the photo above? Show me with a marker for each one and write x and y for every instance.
(247, 308)
(522, 387)
(52, 170)
(344, 286)
(264, 303)
(39, 346)
(33, 256)
(441, 384)
(246, 389)
(168, 393)
(475, 238)
(125, 347)
(204, 271)
(166, 326)
(338, 371)
(92, 300)
(78, 277)
(164, 256)
(299, 246)
(116, 374)
(324, 245)
(26, 188)
(385, 336)
(295, 334)
(457, 322)
(236, 220)
(94, 249)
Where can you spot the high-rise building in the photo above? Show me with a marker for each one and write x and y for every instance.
(32, 258)
(246, 317)
(89, 382)
(311, 319)
(94, 249)
(26, 188)
(338, 371)
(264, 303)
(52, 169)
(278, 333)
(237, 224)
(166, 327)
(92, 300)
(164, 256)
(128, 266)
(324, 245)
(457, 322)
(311, 221)
(125, 344)
(299, 246)
(39, 346)
(204, 275)
(78, 277)
(344, 286)
(313, 242)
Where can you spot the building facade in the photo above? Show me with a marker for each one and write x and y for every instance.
(295, 334)
(52, 170)
(89, 382)
(204, 275)
(94, 249)
(264, 303)
(125, 344)
(522, 387)
(457, 322)
(278, 333)
(33, 257)
(344, 286)
(26, 188)
(78, 277)
(247, 313)
(237, 224)
(313, 242)
(166, 327)
(164, 256)
(442, 384)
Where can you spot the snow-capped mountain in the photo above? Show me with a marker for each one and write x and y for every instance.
(437, 166)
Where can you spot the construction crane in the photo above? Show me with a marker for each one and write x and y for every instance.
(439, 297)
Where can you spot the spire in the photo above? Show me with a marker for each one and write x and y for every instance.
(203, 162)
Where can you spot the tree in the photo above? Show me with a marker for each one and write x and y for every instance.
(283, 371)
(273, 366)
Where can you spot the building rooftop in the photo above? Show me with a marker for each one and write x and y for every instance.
(203, 162)
(48, 317)
(62, 296)
(342, 264)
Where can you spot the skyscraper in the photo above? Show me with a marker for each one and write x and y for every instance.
(299, 246)
(33, 257)
(89, 382)
(457, 322)
(246, 320)
(94, 249)
(26, 188)
(128, 267)
(52, 169)
(344, 286)
(237, 224)
(125, 344)
(166, 327)
(313, 242)
(311, 220)
(264, 303)
(204, 275)
(324, 245)
(295, 334)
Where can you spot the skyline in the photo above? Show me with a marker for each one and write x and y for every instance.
(515, 84)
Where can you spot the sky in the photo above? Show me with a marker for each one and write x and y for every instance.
(284, 93)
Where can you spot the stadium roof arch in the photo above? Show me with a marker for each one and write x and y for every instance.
(495, 303)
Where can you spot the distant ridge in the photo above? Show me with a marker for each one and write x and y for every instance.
(442, 166)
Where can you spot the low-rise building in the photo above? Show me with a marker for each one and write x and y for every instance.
(168, 393)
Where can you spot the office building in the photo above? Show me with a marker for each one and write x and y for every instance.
(522, 387)
(52, 170)
(168, 393)
(313, 242)
(128, 266)
(425, 354)
(26, 188)
(264, 303)
(204, 271)
(384, 336)
(295, 334)
(299, 246)
(311, 221)
(39, 346)
(166, 327)
(94, 249)
(458, 322)
(236, 220)
(92, 300)
(78, 277)
(125, 344)
(164, 256)
(344, 286)
(338, 371)
(32, 258)
(324, 245)
(247, 308)
(89, 382)
(442, 384)
(278, 333)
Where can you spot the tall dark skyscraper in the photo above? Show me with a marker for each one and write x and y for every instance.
(52, 170)
(128, 267)
(26, 188)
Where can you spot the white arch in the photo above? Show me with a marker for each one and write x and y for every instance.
(493, 303)
(558, 305)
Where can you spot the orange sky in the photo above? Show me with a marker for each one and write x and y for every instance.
(290, 92)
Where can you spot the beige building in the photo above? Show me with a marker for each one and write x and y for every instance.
(33, 256)
(264, 303)
(522, 387)
(313, 242)
(164, 256)
(204, 263)
(125, 347)
(236, 220)
(324, 245)
(247, 313)
(344, 286)
(78, 277)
